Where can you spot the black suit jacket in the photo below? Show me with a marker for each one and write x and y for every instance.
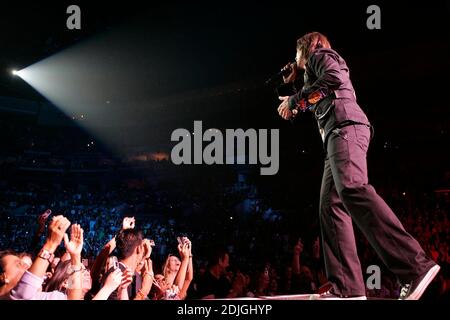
(327, 71)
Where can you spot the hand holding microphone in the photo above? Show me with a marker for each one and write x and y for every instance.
(289, 72)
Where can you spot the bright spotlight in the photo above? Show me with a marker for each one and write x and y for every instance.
(15, 72)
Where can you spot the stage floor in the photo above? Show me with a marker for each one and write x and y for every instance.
(297, 297)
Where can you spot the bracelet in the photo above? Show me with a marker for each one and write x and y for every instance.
(140, 295)
(151, 274)
(71, 270)
(46, 255)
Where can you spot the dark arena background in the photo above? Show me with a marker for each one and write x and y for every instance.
(87, 114)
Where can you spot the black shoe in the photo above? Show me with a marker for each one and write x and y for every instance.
(329, 295)
(415, 289)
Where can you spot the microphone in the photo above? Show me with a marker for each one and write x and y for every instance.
(281, 73)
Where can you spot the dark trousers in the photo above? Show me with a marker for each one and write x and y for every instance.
(347, 196)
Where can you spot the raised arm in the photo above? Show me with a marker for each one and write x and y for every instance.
(189, 273)
(31, 282)
(74, 246)
(40, 230)
(184, 251)
(57, 230)
(113, 281)
(298, 249)
(147, 275)
(100, 261)
(102, 257)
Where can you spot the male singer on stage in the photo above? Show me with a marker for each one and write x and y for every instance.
(346, 195)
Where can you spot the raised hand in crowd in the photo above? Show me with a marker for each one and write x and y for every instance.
(186, 269)
(298, 249)
(148, 246)
(112, 282)
(56, 231)
(30, 285)
(189, 273)
(148, 276)
(42, 219)
(74, 246)
(184, 249)
(102, 257)
(127, 279)
(128, 223)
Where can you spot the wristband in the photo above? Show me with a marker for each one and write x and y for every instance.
(71, 269)
(46, 255)
(140, 295)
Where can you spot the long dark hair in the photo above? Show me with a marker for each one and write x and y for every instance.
(310, 42)
(59, 276)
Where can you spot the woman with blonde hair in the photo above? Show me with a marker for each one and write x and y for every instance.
(180, 272)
